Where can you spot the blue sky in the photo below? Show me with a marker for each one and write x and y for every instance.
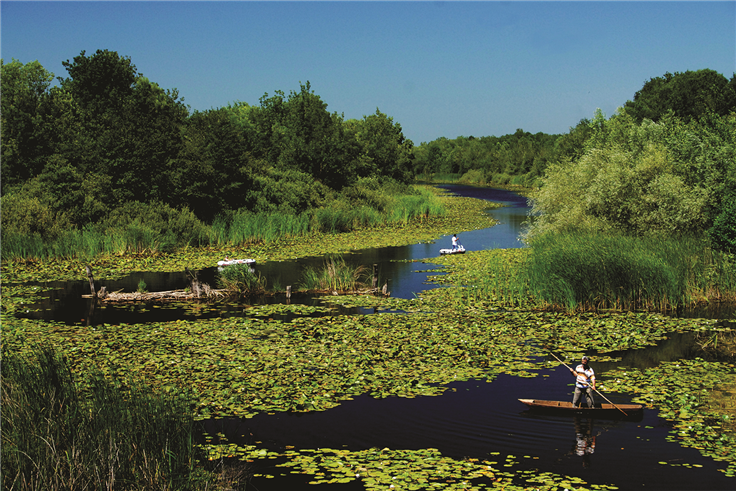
(438, 68)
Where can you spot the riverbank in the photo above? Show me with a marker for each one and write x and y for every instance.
(462, 214)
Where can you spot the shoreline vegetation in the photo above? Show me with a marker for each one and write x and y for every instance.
(458, 214)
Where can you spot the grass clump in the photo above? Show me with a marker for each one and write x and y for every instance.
(63, 433)
(242, 280)
(335, 275)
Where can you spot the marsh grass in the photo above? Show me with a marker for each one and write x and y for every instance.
(388, 206)
(62, 433)
(335, 275)
(241, 279)
(588, 272)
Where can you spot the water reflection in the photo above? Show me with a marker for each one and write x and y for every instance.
(584, 445)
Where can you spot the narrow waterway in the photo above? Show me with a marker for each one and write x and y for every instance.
(471, 419)
(395, 267)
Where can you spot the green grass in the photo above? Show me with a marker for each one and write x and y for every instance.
(241, 280)
(584, 271)
(63, 433)
(336, 275)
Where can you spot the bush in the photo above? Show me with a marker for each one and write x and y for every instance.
(723, 231)
(168, 226)
(26, 215)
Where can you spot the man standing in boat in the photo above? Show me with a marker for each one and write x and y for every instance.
(584, 383)
(455, 242)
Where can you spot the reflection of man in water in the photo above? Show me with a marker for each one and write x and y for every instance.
(584, 440)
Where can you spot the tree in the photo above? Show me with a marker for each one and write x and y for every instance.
(297, 132)
(387, 151)
(24, 119)
(129, 128)
(664, 178)
(689, 95)
(211, 174)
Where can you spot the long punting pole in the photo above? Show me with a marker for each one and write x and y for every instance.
(568, 366)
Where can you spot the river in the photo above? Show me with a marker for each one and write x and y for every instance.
(472, 418)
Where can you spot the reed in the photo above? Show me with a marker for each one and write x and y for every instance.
(61, 433)
(586, 271)
(241, 279)
(335, 275)
(247, 227)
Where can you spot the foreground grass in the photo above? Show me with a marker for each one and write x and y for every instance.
(81, 431)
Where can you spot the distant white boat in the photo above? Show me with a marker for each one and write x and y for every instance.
(459, 250)
(229, 262)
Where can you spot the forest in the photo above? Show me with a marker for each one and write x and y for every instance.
(108, 152)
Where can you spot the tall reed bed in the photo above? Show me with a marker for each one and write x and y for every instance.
(335, 275)
(236, 228)
(405, 208)
(586, 271)
(60, 434)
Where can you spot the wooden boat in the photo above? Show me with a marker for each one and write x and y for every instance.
(460, 250)
(598, 410)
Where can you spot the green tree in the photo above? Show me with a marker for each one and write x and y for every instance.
(387, 152)
(212, 172)
(129, 128)
(689, 95)
(664, 178)
(24, 120)
(297, 132)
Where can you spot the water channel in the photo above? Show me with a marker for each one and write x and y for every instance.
(472, 418)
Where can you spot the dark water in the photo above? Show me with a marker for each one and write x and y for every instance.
(404, 279)
(471, 419)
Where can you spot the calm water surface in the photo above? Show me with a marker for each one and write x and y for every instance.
(404, 279)
(472, 418)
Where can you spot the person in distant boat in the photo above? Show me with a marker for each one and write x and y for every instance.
(584, 383)
(455, 242)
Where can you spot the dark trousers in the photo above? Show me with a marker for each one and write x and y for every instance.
(588, 396)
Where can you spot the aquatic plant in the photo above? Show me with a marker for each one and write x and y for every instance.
(335, 275)
(241, 279)
(589, 272)
(63, 431)
(685, 397)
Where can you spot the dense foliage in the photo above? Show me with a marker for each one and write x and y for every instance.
(106, 143)
(689, 95)
(518, 159)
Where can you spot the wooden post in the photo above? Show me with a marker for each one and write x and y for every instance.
(91, 281)
(375, 277)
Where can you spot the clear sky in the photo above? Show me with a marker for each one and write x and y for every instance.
(438, 68)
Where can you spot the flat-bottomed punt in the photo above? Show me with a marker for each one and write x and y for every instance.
(598, 409)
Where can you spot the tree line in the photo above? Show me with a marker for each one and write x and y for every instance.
(522, 158)
(107, 136)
